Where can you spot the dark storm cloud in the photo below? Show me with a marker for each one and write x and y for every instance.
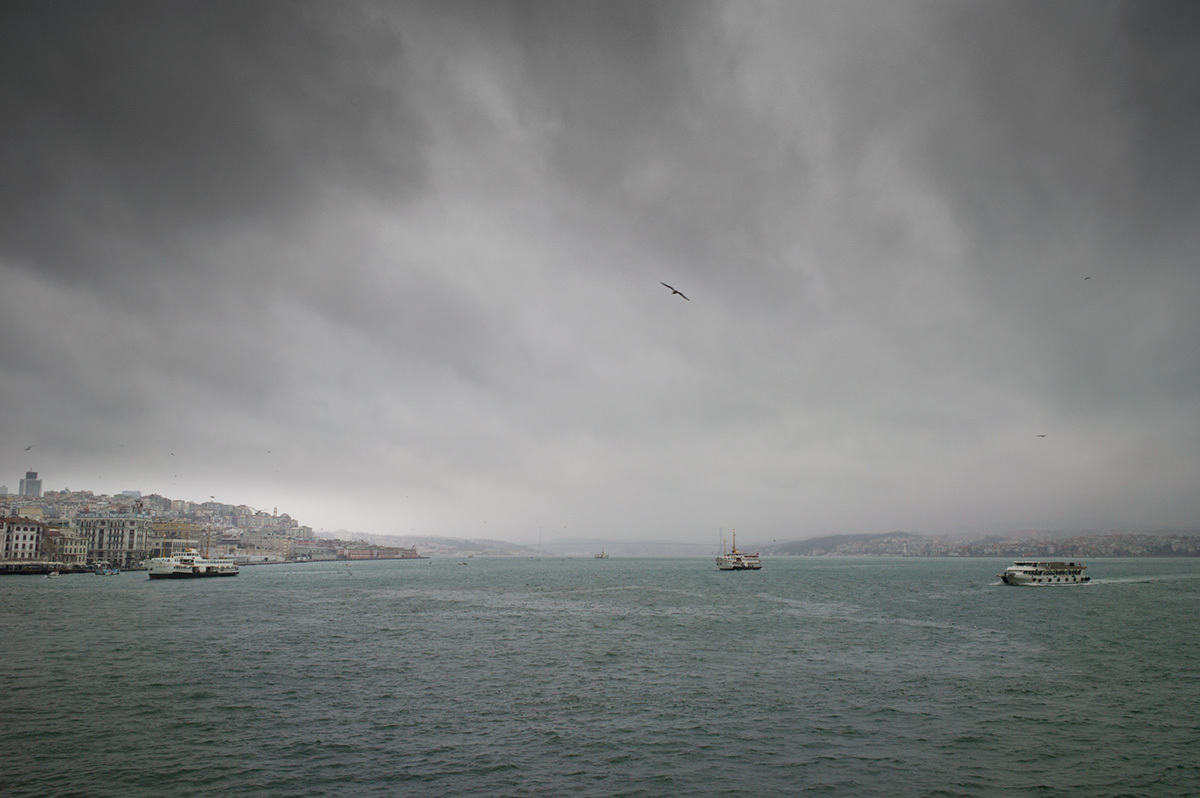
(1070, 149)
(1049, 113)
(153, 120)
(1163, 90)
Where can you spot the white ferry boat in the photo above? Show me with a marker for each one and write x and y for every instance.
(189, 565)
(1044, 572)
(735, 560)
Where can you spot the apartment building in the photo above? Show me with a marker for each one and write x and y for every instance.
(22, 538)
(65, 546)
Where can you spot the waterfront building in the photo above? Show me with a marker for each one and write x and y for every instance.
(310, 549)
(171, 547)
(170, 536)
(378, 553)
(281, 545)
(23, 538)
(118, 538)
(65, 546)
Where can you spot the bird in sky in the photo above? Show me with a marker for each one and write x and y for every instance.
(675, 290)
(1041, 435)
(30, 446)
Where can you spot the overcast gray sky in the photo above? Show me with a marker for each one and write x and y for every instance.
(395, 268)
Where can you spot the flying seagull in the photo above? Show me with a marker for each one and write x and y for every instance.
(30, 446)
(1041, 436)
(675, 290)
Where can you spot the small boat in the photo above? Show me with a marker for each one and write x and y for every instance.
(602, 555)
(1044, 572)
(106, 570)
(735, 560)
(191, 565)
(53, 575)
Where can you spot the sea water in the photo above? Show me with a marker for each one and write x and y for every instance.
(618, 677)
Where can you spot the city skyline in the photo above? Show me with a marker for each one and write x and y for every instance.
(399, 268)
(963, 542)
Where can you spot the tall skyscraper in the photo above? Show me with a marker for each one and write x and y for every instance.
(31, 485)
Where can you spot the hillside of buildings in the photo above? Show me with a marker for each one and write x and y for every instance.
(439, 545)
(1125, 543)
(78, 529)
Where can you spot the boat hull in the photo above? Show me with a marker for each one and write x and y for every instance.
(1022, 581)
(191, 574)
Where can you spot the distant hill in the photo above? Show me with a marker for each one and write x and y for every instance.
(435, 544)
(830, 542)
(1021, 544)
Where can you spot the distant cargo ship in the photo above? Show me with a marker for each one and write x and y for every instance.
(1044, 572)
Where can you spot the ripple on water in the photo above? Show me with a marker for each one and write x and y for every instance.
(549, 677)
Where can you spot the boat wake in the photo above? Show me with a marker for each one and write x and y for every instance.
(1137, 580)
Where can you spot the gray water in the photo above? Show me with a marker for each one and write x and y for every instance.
(581, 677)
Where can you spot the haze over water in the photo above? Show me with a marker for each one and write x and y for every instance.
(633, 677)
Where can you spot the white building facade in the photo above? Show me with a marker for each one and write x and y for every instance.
(119, 539)
(23, 538)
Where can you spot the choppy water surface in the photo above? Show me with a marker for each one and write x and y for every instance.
(632, 677)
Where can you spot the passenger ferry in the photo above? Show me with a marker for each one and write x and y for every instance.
(735, 560)
(1044, 572)
(190, 564)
